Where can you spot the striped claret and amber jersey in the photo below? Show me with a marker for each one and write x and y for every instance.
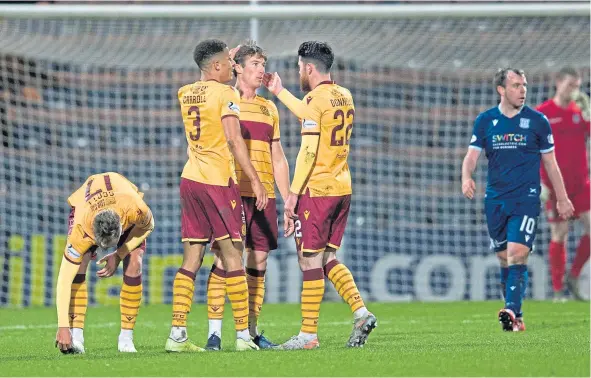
(259, 122)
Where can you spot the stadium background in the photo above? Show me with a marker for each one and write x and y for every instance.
(81, 96)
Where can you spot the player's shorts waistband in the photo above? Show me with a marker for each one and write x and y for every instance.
(514, 201)
(230, 183)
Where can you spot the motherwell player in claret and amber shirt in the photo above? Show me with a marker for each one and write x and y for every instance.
(211, 208)
(107, 211)
(568, 113)
(320, 193)
(259, 122)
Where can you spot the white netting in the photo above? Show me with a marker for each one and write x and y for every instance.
(81, 96)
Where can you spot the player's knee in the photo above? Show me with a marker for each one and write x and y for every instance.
(238, 246)
(217, 259)
(256, 259)
(134, 267)
(330, 254)
(519, 260)
(193, 256)
(559, 232)
(137, 254)
(310, 261)
(517, 254)
(502, 257)
(231, 255)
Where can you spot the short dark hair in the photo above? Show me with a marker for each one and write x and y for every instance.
(205, 50)
(318, 53)
(567, 71)
(106, 225)
(501, 75)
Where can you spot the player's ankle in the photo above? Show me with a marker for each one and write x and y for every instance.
(243, 334)
(78, 334)
(360, 312)
(126, 334)
(178, 334)
(252, 328)
(307, 336)
(215, 328)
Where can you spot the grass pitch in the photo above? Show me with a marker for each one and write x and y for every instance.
(412, 339)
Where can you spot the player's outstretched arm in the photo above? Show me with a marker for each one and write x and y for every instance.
(273, 82)
(563, 205)
(63, 338)
(468, 167)
(240, 152)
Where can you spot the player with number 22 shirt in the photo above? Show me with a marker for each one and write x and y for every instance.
(321, 189)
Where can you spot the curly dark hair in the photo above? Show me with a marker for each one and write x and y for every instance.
(318, 53)
(205, 50)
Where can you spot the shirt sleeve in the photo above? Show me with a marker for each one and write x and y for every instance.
(478, 134)
(77, 245)
(275, 114)
(545, 138)
(230, 102)
(140, 215)
(308, 111)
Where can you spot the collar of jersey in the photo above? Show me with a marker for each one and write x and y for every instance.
(501, 113)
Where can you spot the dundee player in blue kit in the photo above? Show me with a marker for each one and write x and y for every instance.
(515, 139)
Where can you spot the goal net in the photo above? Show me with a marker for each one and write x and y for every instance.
(80, 96)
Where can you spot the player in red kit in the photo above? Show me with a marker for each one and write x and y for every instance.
(568, 113)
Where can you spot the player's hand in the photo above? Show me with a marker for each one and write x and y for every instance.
(468, 188)
(544, 194)
(234, 51)
(261, 193)
(582, 101)
(63, 340)
(565, 208)
(233, 54)
(111, 262)
(273, 82)
(289, 207)
(288, 226)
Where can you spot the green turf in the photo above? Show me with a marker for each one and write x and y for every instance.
(412, 339)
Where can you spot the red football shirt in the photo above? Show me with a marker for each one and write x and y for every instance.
(570, 133)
